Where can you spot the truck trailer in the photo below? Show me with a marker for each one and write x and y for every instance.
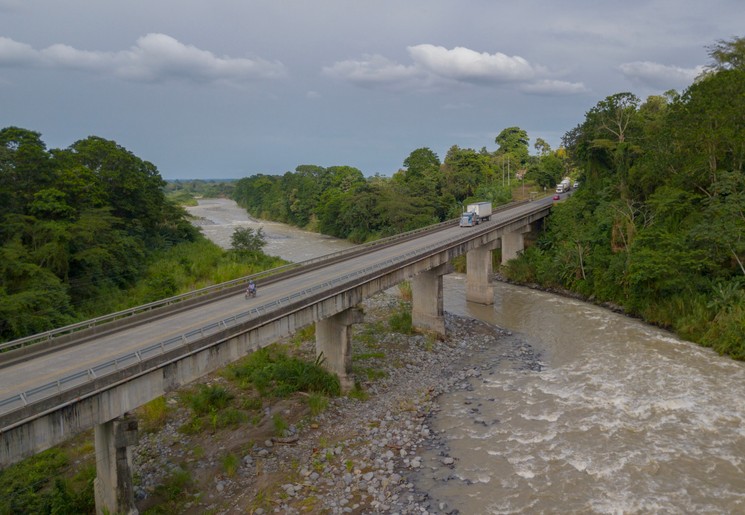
(564, 186)
(475, 214)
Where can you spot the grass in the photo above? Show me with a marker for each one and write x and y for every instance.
(153, 415)
(47, 483)
(280, 425)
(400, 321)
(274, 373)
(230, 464)
(317, 403)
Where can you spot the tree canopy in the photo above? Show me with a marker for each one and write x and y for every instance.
(74, 224)
(658, 223)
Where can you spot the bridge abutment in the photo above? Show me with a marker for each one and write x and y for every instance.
(113, 484)
(334, 342)
(427, 312)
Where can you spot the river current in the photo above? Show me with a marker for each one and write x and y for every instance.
(620, 417)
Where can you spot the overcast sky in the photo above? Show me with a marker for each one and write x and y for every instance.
(231, 88)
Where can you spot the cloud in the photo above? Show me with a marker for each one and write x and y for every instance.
(660, 76)
(436, 67)
(154, 58)
(466, 65)
(550, 87)
(376, 71)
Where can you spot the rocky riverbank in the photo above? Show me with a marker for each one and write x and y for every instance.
(357, 456)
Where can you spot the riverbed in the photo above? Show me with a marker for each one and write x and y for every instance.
(218, 218)
(611, 416)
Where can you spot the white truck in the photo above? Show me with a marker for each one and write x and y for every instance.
(475, 214)
(564, 186)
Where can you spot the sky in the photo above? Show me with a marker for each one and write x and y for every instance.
(218, 89)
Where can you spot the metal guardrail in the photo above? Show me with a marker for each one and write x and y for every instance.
(42, 392)
(228, 285)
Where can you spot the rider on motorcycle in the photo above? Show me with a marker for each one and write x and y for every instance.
(251, 288)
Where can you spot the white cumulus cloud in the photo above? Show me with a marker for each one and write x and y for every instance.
(375, 71)
(660, 76)
(154, 58)
(464, 64)
(435, 67)
(551, 87)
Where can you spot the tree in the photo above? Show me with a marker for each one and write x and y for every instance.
(245, 239)
(728, 55)
(513, 141)
(542, 147)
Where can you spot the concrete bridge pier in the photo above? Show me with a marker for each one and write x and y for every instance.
(334, 341)
(113, 484)
(513, 243)
(478, 274)
(427, 312)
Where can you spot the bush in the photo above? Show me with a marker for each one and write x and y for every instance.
(400, 321)
(208, 399)
(272, 372)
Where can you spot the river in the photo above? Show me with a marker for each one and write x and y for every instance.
(620, 417)
(219, 218)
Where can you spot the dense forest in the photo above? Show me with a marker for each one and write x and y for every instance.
(87, 230)
(340, 201)
(658, 225)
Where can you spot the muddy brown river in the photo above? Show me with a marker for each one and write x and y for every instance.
(620, 417)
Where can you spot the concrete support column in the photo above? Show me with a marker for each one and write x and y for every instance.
(334, 341)
(113, 484)
(427, 311)
(512, 244)
(478, 274)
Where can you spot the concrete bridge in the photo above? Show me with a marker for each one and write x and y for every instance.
(93, 375)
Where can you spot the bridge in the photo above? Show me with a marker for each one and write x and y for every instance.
(91, 375)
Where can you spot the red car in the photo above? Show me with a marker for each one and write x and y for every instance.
(557, 197)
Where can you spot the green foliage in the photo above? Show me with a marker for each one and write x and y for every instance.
(400, 321)
(658, 224)
(280, 425)
(274, 373)
(76, 226)
(207, 399)
(174, 492)
(246, 239)
(36, 485)
(152, 416)
(230, 463)
(185, 192)
(317, 403)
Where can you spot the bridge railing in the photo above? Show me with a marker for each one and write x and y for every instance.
(47, 390)
(208, 290)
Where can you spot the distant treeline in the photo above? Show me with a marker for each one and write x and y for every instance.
(186, 191)
(658, 225)
(340, 201)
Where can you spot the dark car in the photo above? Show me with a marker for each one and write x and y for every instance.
(557, 197)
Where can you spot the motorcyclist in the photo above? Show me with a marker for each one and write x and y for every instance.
(251, 288)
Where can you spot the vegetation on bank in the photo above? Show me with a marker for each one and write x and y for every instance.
(88, 230)
(340, 201)
(187, 192)
(60, 480)
(658, 225)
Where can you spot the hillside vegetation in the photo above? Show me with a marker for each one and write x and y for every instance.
(87, 230)
(658, 225)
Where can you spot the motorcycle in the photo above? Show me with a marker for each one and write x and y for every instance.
(250, 292)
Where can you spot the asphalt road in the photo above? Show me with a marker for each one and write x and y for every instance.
(55, 365)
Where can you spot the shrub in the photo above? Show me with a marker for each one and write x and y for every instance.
(208, 399)
(400, 321)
